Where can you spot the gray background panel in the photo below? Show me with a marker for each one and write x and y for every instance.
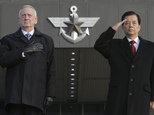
(150, 21)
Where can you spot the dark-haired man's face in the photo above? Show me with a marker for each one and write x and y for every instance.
(131, 27)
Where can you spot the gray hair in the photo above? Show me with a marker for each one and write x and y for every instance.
(25, 6)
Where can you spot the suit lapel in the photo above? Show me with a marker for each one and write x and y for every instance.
(37, 34)
(125, 46)
(140, 50)
(20, 35)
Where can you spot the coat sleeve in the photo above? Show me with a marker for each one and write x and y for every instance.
(9, 56)
(152, 82)
(103, 43)
(51, 72)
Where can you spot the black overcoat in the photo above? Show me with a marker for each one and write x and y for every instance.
(28, 80)
(131, 86)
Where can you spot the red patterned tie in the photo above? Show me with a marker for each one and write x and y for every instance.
(133, 47)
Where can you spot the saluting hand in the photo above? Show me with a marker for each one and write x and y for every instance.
(116, 27)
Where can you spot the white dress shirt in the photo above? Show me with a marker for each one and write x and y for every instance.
(24, 32)
(137, 42)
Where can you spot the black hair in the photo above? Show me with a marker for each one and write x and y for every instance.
(131, 13)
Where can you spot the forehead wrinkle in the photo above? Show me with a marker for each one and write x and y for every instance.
(30, 11)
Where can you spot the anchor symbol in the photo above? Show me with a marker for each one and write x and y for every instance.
(74, 28)
(74, 33)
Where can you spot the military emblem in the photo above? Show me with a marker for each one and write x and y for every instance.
(73, 24)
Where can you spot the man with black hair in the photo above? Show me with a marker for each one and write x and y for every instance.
(131, 59)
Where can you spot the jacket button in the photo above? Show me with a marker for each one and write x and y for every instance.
(130, 94)
(131, 79)
(133, 66)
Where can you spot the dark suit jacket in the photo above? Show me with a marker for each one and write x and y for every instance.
(131, 84)
(28, 80)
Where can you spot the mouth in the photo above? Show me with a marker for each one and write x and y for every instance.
(26, 22)
(131, 29)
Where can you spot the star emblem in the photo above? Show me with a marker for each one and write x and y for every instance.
(74, 26)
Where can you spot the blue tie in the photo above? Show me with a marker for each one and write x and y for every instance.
(28, 36)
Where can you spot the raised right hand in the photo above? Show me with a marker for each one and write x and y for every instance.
(116, 27)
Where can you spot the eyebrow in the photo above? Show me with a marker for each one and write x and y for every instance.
(131, 21)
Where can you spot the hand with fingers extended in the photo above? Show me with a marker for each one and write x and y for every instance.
(116, 27)
(33, 47)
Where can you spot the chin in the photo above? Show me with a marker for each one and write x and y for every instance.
(26, 26)
(131, 33)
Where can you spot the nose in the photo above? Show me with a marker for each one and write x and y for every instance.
(26, 16)
(131, 24)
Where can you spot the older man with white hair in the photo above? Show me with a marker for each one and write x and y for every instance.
(29, 58)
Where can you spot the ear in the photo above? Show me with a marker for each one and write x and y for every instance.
(36, 20)
(18, 20)
(139, 27)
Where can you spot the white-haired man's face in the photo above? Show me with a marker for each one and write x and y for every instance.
(27, 18)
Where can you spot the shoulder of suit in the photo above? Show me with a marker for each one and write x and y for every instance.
(147, 41)
(8, 36)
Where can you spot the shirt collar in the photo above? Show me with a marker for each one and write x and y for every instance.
(31, 32)
(137, 40)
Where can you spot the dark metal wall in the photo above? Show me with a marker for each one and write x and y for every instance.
(90, 76)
